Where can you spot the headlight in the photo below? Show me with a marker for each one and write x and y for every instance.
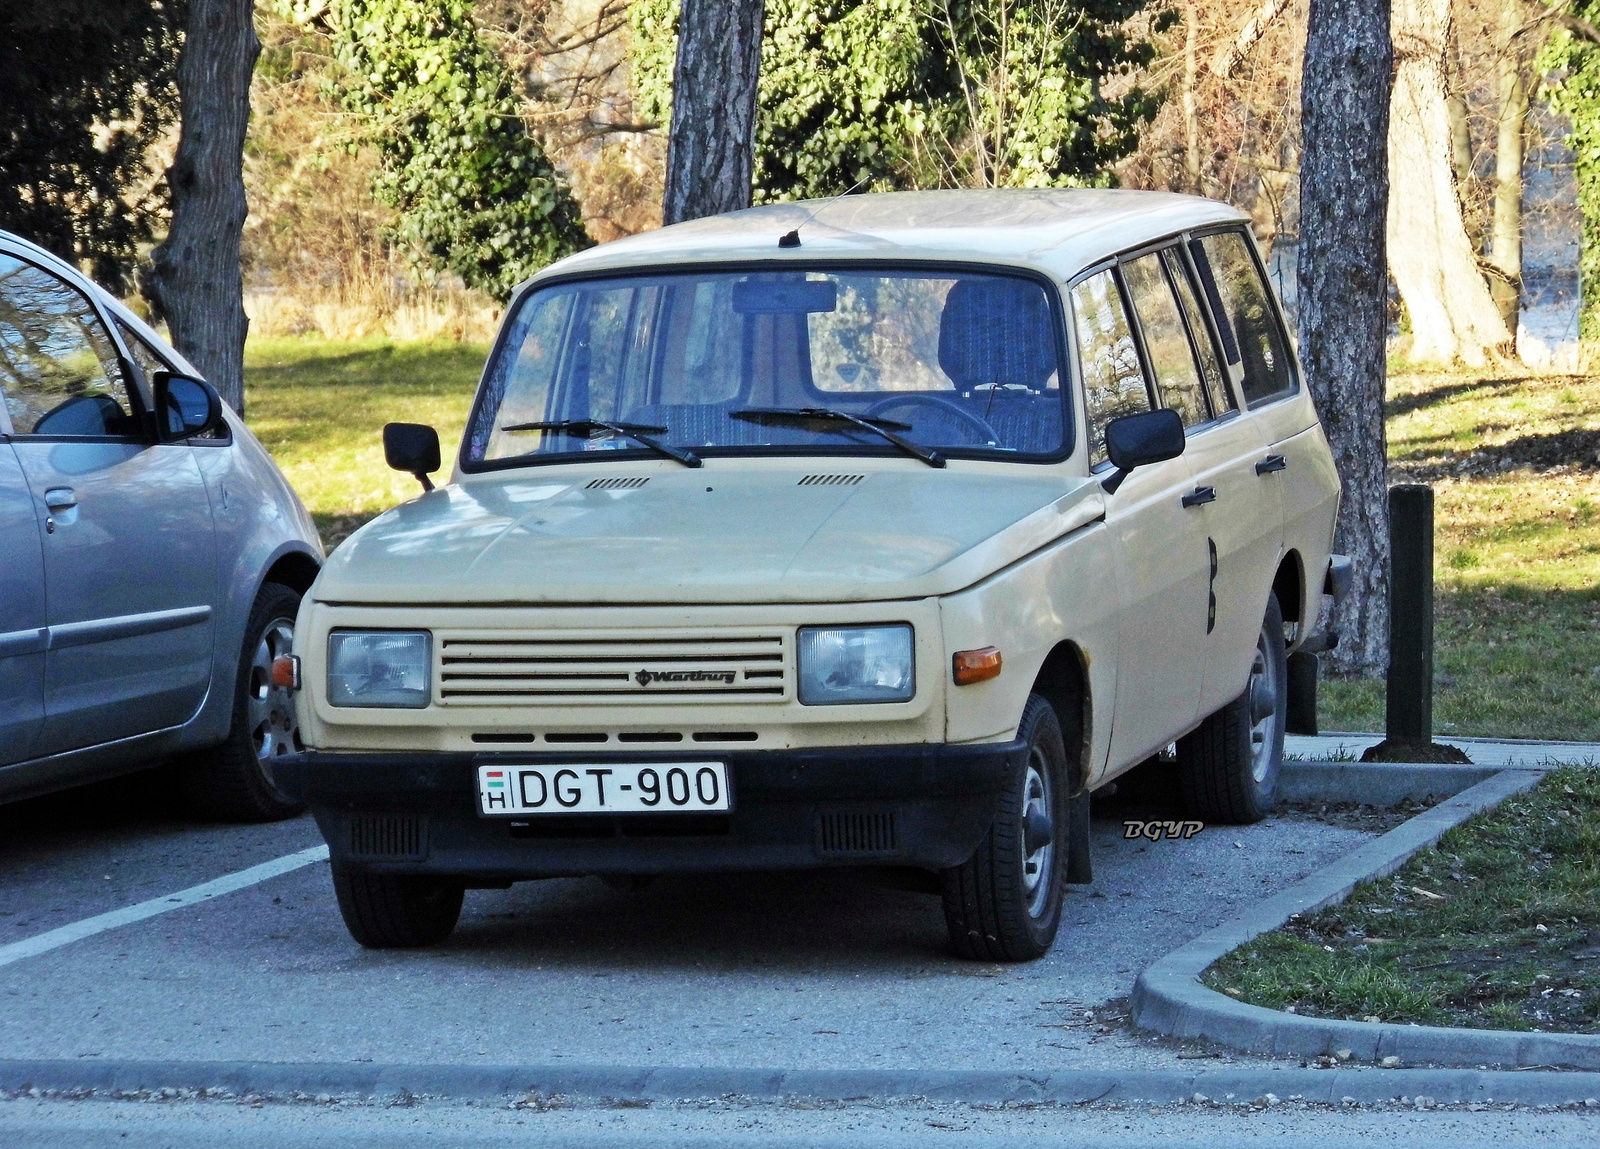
(378, 668)
(855, 664)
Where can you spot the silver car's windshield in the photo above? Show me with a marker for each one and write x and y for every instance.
(960, 361)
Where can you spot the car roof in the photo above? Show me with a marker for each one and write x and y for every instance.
(36, 254)
(1057, 231)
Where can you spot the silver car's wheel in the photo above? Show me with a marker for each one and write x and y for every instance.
(235, 781)
(269, 709)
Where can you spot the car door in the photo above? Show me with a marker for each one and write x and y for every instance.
(22, 616)
(1161, 553)
(1238, 507)
(125, 525)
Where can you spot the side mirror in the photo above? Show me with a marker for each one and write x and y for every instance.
(413, 448)
(185, 407)
(1139, 440)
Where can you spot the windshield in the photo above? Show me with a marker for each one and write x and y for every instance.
(966, 363)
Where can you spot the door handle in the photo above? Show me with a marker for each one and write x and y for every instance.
(1200, 495)
(61, 498)
(1272, 463)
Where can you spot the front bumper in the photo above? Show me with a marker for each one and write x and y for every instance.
(924, 805)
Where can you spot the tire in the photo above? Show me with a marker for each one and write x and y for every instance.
(995, 907)
(1228, 767)
(397, 911)
(233, 782)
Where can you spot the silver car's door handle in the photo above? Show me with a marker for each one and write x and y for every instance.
(1199, 496)
(1272, 463)
(61, 498)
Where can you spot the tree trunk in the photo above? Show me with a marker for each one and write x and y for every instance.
(1344, 186)
(1191, 111)
(194, 280)
(1452, 314)
(1505, 235)
(711, 151)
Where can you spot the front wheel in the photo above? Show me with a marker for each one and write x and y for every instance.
(1229, 766)
(397, 911)
(234, 782)
(1004, 902)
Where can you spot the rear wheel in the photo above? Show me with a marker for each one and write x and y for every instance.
(1229, 766)
(234, 782)
(1004, 903)
(397, 911)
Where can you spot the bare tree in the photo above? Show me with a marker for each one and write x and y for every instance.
(1344, 186)
(1431, 256)
(711, 151)
(194, 280)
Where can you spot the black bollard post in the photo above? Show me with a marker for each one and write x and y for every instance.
(1410, 690)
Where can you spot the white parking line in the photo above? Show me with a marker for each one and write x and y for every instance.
(100, 923)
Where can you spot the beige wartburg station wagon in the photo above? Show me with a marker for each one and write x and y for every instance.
(876, 531)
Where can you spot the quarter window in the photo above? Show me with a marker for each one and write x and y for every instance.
(58, 366)
(1246, 303)
(1113, 381)
(1166, 339)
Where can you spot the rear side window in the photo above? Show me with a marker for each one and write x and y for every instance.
(1205, 347)
(1113, 381)
(1166, 339)
(1245, 299)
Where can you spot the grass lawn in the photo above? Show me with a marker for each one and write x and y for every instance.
(1514, 461)
(1496, 927)
(320, 408)
(1515, 466)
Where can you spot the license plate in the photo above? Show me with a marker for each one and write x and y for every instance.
(588, 788)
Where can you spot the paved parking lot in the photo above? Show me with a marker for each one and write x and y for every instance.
(811, 970)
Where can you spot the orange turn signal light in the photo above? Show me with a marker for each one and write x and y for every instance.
(979, 665)
(286, 671)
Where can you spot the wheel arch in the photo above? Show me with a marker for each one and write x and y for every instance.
(1063, 681)
(1289, 584)
(294, 569)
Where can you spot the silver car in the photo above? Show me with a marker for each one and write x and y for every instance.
(152, 557)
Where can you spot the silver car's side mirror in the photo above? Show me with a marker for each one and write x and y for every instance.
(185, 407)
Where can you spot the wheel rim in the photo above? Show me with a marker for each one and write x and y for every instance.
(269, 709)
(1038, 862)
(1263, 686)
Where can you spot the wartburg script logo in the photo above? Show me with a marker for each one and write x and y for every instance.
(646, 677)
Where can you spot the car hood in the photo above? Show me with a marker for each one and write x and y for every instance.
(705, 536)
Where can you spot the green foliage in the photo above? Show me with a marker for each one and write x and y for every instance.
(925, 93)
(477, 194)
(1571, 67)
(87, 86)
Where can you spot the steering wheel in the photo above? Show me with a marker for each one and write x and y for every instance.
(988, 433)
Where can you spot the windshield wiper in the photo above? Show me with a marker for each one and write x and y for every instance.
(885, 428)
(632, 431)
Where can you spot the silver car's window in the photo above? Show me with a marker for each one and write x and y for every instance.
(1166, 339)
(967, 360)
(1113, 381)
(58, 366)
(1263, 345)
(1217, 390)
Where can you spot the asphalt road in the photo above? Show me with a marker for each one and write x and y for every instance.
(808, 970)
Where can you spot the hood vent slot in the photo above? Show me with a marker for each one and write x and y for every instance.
(616, 483)
(830, 480)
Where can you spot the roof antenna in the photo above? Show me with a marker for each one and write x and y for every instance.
(792, 238)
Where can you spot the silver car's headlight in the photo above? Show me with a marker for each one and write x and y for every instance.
(856, 664)
(379, 667)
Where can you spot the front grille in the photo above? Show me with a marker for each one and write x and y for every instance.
(857, 832)
(394, 836)
(498, 668)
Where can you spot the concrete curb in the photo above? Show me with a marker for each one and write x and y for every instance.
(1168, 997)
(636, 1083)
(1376, 783)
